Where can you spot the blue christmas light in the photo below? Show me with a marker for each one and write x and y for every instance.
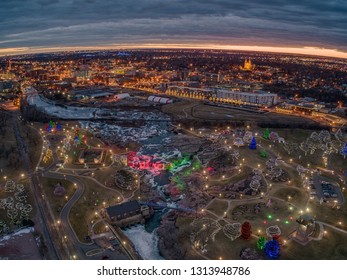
(344, 150)
(253, 144)
(272, 249)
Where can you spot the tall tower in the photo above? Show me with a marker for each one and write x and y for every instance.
(248, 66)
(9, 68)
(305, 228)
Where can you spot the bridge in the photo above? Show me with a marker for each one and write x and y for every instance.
(165, 205)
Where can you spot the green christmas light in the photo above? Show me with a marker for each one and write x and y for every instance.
(261, 243)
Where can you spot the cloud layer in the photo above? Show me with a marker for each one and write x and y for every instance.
(67, 23)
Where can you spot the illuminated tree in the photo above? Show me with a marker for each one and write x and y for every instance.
(263, 153)
(273, 136)
(246, 231)
(261, 243)
(272, 249)
(277, 237)
(305, 147)
(344, 151)
(266, 133)
(253, 144)
(47, 156)
(290, 147)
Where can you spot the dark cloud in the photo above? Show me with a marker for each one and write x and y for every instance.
(50, 23)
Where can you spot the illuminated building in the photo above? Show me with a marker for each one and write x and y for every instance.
(127, 213)
(252, 98)
(248, 66)
(259, 98)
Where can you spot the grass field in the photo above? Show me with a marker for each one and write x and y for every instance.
(218, 207)
(56, 202)
(83, 212)
(194, 109)
(290, 194)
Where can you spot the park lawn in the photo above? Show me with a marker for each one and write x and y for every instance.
(293, 134)
(297, 196)
(57, 203)
(238, 176)
(253, 157)
(266, 217)
(337, 162)
(227, 249)
(83, 212)
(99, 228)
(218, 207)
(105, 175)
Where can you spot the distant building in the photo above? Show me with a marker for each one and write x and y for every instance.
(258, 98)
(127, 213)
(182, 74)
(248, 66)
(158, 99)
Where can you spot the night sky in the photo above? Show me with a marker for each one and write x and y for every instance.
(35, 25)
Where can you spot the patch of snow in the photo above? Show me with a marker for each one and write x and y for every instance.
(19, 232)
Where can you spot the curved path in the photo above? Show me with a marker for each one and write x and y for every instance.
(80, 248)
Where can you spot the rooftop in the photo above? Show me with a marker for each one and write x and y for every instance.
(121, 209)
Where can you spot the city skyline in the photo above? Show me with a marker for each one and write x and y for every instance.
(308, 27)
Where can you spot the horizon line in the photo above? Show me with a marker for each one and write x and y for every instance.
(307, 50)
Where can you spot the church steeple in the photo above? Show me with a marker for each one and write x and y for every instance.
(248, 66)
